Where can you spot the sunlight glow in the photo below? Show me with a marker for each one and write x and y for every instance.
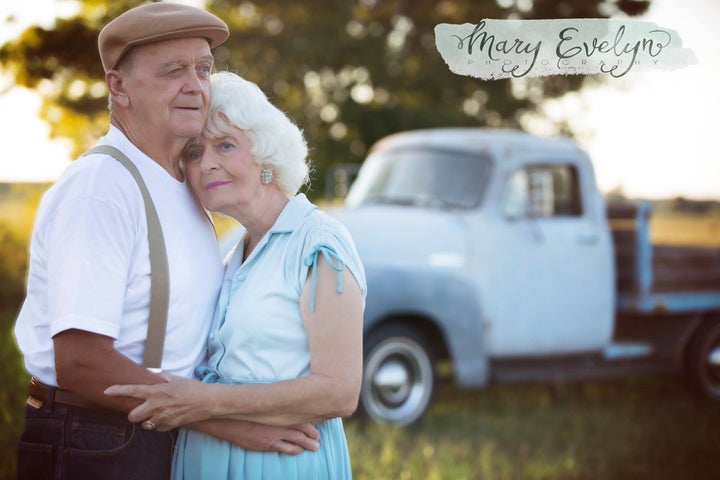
(653, 134)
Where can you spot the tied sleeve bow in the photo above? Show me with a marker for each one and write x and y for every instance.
(332, 258)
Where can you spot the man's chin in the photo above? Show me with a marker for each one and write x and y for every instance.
(190, 130)
(190, 123)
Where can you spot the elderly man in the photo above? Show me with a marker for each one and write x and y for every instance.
(84, 322)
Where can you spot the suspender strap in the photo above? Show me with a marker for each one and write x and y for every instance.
(159, 274)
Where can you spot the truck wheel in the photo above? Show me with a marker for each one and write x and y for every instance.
(398, 375)
(704, 360)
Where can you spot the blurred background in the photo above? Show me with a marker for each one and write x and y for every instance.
(352, 72)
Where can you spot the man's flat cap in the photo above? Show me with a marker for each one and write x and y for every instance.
(154, 22)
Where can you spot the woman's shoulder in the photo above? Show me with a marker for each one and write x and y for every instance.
(322, 231)
(319, 225)
(320, 234)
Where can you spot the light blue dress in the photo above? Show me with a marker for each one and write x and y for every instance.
(258, 336)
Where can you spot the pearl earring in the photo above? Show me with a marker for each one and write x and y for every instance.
(266, 175)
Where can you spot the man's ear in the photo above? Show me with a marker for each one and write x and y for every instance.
(114, 80)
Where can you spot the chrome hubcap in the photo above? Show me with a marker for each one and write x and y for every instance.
(392, 382)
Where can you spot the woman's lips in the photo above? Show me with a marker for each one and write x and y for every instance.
(219, 183)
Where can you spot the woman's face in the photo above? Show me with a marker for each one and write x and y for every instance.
(223, 172)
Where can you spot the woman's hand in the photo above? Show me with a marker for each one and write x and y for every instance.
(167, 405)
(262, 438)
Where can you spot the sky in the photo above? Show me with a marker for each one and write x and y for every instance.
(657, 134)
(653, 134)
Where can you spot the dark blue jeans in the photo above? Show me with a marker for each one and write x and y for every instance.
(72, 443)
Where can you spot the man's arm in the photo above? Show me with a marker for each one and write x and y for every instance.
(87, 363)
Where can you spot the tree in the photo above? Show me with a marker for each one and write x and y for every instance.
(347, 72)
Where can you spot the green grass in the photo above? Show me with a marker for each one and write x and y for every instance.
(640, 428)
(13, 394)
(648, 427)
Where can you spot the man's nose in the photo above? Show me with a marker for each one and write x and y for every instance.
(194, 82)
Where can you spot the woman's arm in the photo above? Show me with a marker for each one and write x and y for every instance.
(334, 331)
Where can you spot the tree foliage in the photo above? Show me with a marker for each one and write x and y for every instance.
(347, 72)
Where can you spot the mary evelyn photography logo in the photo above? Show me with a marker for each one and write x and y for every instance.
(495, 49)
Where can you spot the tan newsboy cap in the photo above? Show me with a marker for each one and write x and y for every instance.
(154, 22)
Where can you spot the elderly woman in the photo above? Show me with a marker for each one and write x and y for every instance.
(285, 346)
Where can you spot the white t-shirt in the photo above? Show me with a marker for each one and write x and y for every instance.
(90, 267)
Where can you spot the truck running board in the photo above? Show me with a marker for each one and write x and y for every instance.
(583, 367)
(626, 350)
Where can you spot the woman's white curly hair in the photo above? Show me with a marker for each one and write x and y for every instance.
(276, 141)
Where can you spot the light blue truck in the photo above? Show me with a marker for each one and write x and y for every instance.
(494, 251)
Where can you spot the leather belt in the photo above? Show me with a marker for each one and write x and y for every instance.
(40, 393)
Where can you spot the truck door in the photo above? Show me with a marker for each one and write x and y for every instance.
(553, 264)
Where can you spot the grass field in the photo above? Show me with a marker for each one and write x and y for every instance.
(649, 427)
(13, 379)
(666, 227)
(685, 229)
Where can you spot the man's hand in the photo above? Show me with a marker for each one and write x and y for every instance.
(263, 438)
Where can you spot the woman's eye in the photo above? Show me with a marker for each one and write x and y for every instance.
(226, 146)
(194, 154)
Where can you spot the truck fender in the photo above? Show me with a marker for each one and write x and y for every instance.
(443, 297)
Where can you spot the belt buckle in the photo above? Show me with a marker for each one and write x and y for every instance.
(34, 402)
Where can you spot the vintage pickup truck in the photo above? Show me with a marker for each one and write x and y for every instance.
(495, 252)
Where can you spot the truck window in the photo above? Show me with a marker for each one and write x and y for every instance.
(543, 191)
(422, 177)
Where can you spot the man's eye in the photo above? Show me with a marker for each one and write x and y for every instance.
(205, 69)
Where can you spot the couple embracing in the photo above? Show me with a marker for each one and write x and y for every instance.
(260, 358)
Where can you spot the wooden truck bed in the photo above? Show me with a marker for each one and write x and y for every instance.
(673, 279)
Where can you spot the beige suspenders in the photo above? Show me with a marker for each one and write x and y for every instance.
(159, 275)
